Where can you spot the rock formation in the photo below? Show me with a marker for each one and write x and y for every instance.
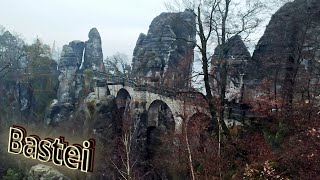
(238, 57)
(68, 65)
(165, 54)
(77, 64)
(62, 108)
(106, 119)
(294, 26)
(93, 57)
(25, 95)
(236, 49)
(44, 172)
(78, 47)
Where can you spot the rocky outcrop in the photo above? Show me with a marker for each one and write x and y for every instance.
(45, 172)
(75, 82)
(78, 47)
(238, 57)
(93, 57)
(165, 54)
(235, 50)
(71, 77)
(106, 119)
(68, 66)
(57, 113)
(294, 26)
(62, 107)
(25, 96)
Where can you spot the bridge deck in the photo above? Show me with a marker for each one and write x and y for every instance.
(236, 111)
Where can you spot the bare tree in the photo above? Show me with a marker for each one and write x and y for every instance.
(117, 64)
(217, 21)
(127, 161)
(127, 166)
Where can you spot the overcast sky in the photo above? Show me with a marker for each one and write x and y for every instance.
(119, 21)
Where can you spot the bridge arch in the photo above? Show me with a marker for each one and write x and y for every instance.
(123, 99)
(160, 125)
(198, 118)
(198, 127)
(160, 115)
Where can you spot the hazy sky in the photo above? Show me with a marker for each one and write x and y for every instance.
(119, 21)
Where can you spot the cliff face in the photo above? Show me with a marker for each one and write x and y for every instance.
(165, 54)
(78, 60)
(238, 57)
(68, 65)
(77, 47)
(294, 27)
(93, 57)
(71, 76)
(236, 49)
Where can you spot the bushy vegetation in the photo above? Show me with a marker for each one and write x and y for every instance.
(14, 174)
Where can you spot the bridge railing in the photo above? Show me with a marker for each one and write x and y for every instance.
(139, 85)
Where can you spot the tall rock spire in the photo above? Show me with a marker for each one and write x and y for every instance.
(165, 54)
(93, 57)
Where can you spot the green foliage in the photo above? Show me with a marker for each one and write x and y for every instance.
(41, 75)
(11, 56)
(91, 107)
(88, 73)
(14, 174)
(199, 168)
(276, 139)
(30, 65)
(88, 82)
(38, 49)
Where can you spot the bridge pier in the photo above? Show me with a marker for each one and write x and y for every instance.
(143, 95)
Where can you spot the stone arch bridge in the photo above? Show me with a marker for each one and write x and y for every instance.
(181, 105)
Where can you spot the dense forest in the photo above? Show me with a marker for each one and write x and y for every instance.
(243, 114)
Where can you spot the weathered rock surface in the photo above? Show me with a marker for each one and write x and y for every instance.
(78, 47)
(73, 81)
(68, 65)
(62, 107)
(93, 57)
(165, 54)
(294, 25)
(238, 57)
(58, 112)
(25, 95)
(106, 119)
(236, 49)
(44, 172)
